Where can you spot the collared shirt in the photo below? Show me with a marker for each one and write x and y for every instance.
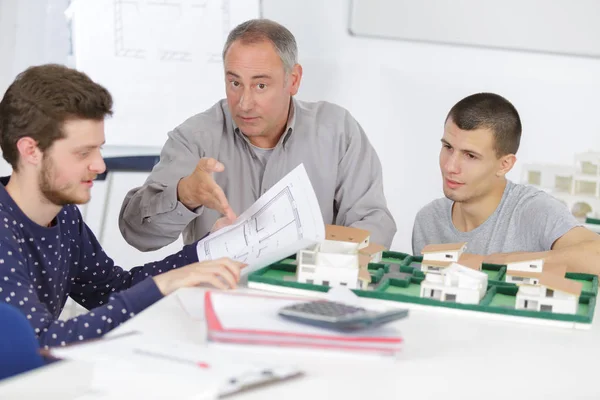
(343, 168)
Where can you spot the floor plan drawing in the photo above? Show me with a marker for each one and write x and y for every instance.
(283, 220)
(274, 225)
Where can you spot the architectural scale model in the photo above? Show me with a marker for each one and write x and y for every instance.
(342, 259)
(436, 257)
(542, 286)
(527, 290)
(577, 185)
(456, 283)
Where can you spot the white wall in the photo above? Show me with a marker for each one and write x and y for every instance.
(401, 92)
(31, 32)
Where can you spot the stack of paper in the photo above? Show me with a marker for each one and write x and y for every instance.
(254, 319)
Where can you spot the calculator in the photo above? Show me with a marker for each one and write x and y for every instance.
(339, 316)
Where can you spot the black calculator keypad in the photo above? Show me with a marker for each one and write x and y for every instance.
(327, 308)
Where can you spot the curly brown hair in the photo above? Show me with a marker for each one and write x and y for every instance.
(41, 99)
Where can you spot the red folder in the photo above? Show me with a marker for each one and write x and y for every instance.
(252, 319)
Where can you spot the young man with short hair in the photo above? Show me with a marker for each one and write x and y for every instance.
(497, 217)
(51, 132)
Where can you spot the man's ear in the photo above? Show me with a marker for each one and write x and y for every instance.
(507, 162)
(29, 151)
(295, 77)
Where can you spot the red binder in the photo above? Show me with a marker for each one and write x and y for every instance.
(252, 319)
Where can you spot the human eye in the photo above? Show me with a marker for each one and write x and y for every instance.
(261, 86)
(235, 84)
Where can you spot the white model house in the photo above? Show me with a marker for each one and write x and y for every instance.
(342, 259)
(436, 257)
(576, 185)
(329, 263)
(338, 233)
(525, 269)
(374, 251)
(528, 270)
(456, 283)
(553, 294)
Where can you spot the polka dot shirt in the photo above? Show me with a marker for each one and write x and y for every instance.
(41, 266)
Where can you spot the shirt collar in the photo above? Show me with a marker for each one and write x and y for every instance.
(291, 123)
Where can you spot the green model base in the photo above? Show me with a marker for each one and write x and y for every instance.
(398, 278)
(593, 221)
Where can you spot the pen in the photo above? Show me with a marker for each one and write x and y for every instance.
(171, 358)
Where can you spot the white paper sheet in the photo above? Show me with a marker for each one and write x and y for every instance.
(141, 366)
(286, 219)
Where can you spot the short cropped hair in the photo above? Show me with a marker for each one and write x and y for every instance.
(493, 112)
(259, 30)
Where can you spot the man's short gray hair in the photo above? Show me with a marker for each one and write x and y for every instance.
(258, 30)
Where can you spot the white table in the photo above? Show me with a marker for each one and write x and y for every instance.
(445, 357)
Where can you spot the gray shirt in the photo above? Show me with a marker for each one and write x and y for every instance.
(527, 219)
(343, 168)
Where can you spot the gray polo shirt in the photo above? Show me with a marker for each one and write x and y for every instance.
(343, 168)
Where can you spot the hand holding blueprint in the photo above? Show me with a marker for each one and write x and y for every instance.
(286, 219)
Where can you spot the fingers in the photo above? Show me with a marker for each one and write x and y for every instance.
(223, 273)
(228, 276)
(230, 215)
(213, 280)
(222, 205)
(233, 266)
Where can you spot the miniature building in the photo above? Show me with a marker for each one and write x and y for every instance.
(374, 251)
(342, 259)
(364, 277)
(455, 283)
(347, 234)
(329, 263)
(577, 185)
(528, 270)
(554, 293)
(436, 257)
(524, 269)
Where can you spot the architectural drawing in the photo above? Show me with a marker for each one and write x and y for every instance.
(120, 49)
(283, 221)
(138, 35)
(158, 49)
(273, 224)
(576, 185)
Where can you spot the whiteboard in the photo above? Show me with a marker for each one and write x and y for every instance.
(160, 59)
(553, 26)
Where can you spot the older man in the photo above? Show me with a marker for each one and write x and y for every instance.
(217, 163)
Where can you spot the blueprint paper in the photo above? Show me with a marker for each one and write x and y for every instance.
(286, 219)
(160, 59)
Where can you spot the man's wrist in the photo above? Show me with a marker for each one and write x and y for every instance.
(162, 283)
(183, 195)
